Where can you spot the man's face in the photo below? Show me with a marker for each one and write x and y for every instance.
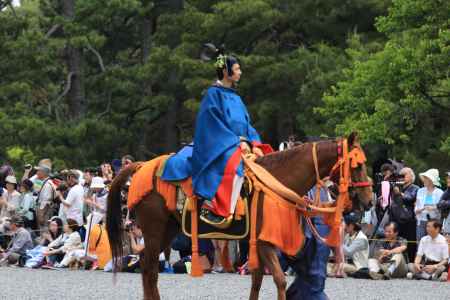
(448, 181)
(13, 227)
(71, 181)
(236, 73)
(349, 228)
(387, 174)
(390, 233)
(41, 174)
(137, 231)
(87, 177)
(408, 177)
(431, 230)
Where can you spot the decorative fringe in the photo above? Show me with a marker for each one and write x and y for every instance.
(197, 270)
(240, 209)
(253, 261)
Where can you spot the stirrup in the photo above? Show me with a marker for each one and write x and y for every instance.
(224, 224)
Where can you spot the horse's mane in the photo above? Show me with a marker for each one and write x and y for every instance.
(281, 157)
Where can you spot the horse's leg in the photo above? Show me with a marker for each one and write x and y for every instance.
(268, 256)
(172, 229)
(152, 216)
(257, 278)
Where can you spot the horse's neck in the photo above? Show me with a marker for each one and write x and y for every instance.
(295, 167)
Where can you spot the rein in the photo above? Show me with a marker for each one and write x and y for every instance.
(264, 182)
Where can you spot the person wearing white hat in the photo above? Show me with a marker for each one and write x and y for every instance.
(427, 199)
(11, 194)
(99, 196)
(97, 202)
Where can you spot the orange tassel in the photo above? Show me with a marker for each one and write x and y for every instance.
(240, 209)
(253, 261)
(197, 270)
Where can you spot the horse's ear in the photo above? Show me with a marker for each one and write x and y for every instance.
(353, 139)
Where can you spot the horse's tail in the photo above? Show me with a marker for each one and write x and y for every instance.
(114, 224)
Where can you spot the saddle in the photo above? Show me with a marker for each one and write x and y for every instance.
(179, 197)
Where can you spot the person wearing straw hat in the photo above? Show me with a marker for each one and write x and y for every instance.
(426, 202)
(46, 193)
(12, 195)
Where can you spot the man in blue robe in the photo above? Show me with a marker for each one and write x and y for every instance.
(222, 133)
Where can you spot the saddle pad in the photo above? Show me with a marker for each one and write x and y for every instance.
(238, 229)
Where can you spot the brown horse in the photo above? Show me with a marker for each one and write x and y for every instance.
(294, 168)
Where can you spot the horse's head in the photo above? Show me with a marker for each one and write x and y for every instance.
(361, 186)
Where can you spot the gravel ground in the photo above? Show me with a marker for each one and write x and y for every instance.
(17, 283)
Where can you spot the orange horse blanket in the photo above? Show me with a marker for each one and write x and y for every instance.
(142, 184)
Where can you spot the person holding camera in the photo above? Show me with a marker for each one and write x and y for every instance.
(427, 200)
(72, 206)
(402, 208)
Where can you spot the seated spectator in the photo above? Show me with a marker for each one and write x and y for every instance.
(131, 262)
(6, 212)
(356, 246)
(11, 194)
(61, 247)
(72, 206)
(26, 206)
(390, 259)
(432, 255)
(427, 200)
(55, 230)
(444, 207)
(99, 252)
(20, 243)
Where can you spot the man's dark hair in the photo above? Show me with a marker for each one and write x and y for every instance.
(129, 157)
(394, 225)
(436, 223)
(387, 167)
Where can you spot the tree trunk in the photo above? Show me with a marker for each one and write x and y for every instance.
(74, 60)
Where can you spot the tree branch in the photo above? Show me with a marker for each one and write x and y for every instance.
(67, 88)
(99, 57)
(52, 30)
(433, 101)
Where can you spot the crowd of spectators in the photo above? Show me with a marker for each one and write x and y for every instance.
(56, 220)
(406, 232)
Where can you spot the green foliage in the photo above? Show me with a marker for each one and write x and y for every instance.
(309, 68)
(400, 94)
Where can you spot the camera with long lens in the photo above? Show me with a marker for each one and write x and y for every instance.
(395, 179)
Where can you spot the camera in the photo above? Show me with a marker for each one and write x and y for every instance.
(62, 187)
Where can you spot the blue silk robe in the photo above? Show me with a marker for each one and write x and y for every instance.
(221, 123)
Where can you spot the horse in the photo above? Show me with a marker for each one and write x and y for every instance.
(294, 168)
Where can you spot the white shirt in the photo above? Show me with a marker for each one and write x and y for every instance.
(356, 247)
(433, 249)
(75, 199)
(12, 198)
